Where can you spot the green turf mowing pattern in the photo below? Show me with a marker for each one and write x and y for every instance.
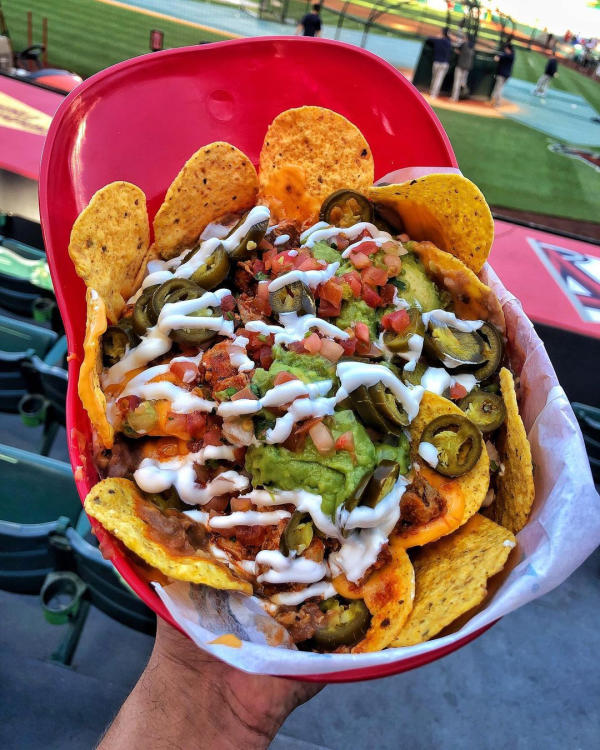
(513, 167)
(86, 36)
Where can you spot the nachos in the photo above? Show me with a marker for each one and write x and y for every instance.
(300, 390)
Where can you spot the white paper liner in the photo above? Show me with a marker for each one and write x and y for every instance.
(563, 530)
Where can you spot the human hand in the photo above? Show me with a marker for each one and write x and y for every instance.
(186, 697)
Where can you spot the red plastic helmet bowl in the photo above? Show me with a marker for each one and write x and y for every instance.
(142, 119)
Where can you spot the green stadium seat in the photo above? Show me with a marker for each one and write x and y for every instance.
(37, 499)
(589, 421)
(19, 341)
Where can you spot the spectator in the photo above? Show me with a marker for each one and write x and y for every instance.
(505, 65)
(463, 65)
(442, 51)
(546, 77)
(310, 25)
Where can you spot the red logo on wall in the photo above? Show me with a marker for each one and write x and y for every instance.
(578, 276)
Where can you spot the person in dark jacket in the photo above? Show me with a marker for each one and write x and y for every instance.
(464, 64)
(442, 52)
(549, 73)
(505, 65)
(310, 25)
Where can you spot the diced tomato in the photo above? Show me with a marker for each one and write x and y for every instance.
(186, 372)
(354, 282)
(297, 347)
(360, 260)
(362, 331)
(345, 442)
(331, 291)
(310, 264)
(265, 356)
(404, 238)
(367, 247)
(374, 276)
(228, 303)
(283, 377)
(331, 350)
(268, 258)
(322, 438)
(393, 264)
(128, 403)
(246, 392)
(370, 296)
(212, 436)
(257, 266)
(196, 423)
(312, 343)
(262, 297)
(328, 310)
(457, 391)
(282, 263)
(349, 346)
(387, 293)
(342, 242)
(396, 321)
(367, 349)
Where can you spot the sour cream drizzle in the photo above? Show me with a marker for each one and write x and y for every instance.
(295, 328)
(322, 232)
(173, 316)
(248, 518)
(291, 598)
(238, 356)
(428, 453)
(178, 472)
(289, 569)
(437, 380)
(311, 279)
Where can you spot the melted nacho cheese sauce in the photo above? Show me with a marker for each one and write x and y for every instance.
(222, 402)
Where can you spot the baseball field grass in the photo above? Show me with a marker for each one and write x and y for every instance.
(509, 161)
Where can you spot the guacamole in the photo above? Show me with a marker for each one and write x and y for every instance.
(357, 310)
(334, 477)
(322, 251)
(307, 367)
(398, 453)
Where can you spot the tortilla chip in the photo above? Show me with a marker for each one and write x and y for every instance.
(109, 243)
(217, 180)
(472, 299)
(112, 502)
(515, 488)
(463, 494)
(388, 594)
(90, 391)
(307, 154)
(451, 577)
(446, 209)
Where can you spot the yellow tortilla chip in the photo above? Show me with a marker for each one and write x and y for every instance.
(515, 488)
(475, 483)
(113, 502)
(451, 577)
(109, 243)
(446, 209)
(217, 180)
(307, 154)
(472, 299)
(90, 391)
(388, 594)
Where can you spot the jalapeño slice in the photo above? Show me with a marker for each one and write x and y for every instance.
(387, 406)
(344, 208)
(195, 336)
(250, 240)
(381, 482)
(486, 410)
(143, 313)
(115, 341)
(298, 534)
(452, 347)
(293, 298)
(346, 623)
(174, 290)
(492, 349)
(458, 443)
(212, 272)
(413, 377)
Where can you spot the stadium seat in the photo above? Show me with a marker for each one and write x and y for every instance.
(19, 341)
(38, 498)
(20, 266)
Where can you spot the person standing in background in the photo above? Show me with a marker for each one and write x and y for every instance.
(505, 65)
(463, 65)
(310, 25)
(548, 74)
(442, 51)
